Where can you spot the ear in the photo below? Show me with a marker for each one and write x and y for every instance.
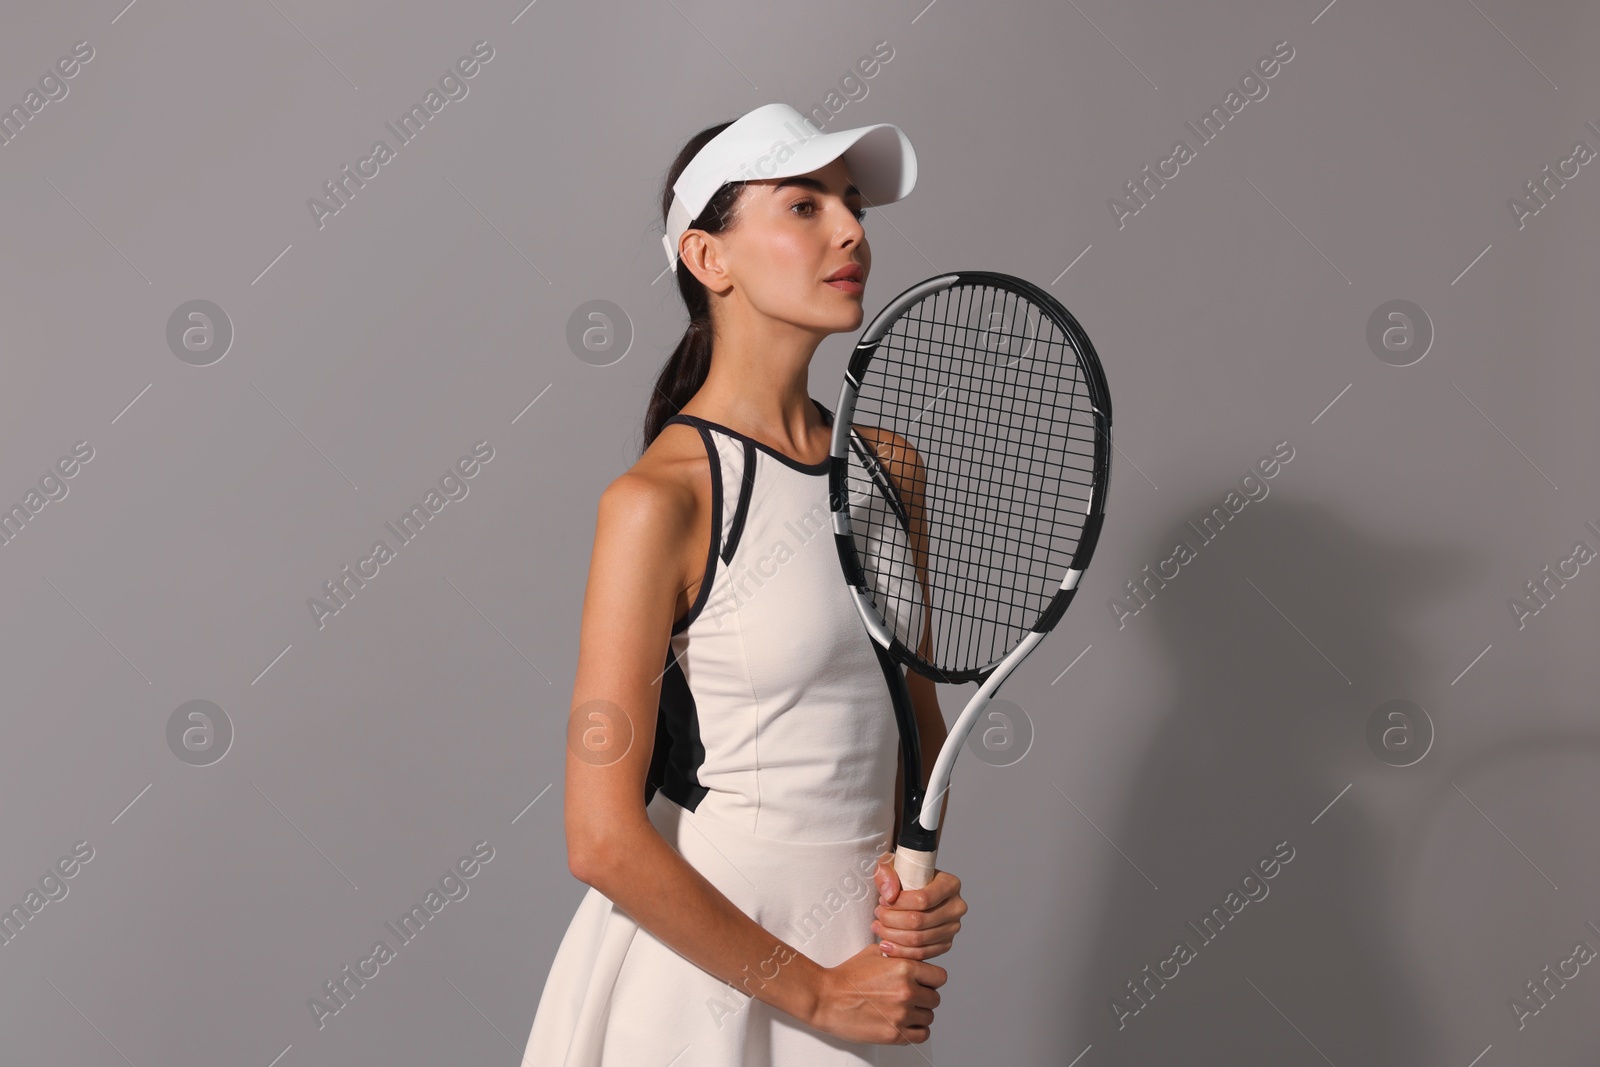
(702, 254)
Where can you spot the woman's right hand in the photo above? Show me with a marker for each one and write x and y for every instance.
(882, 1000)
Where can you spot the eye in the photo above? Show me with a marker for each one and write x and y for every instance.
(811, 209)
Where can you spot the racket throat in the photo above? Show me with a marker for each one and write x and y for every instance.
(913, 834)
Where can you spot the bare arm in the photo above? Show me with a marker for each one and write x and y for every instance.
(644, 526)
(629, 603)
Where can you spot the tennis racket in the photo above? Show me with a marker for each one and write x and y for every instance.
(970, 457)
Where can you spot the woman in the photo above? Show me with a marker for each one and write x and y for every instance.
(731, 792)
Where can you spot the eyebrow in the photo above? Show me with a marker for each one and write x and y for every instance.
(814, 184)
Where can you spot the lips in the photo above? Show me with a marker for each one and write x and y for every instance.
(848, 279)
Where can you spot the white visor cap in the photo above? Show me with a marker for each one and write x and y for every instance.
(776, 141)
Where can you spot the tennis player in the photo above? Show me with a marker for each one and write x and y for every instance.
(731, 777)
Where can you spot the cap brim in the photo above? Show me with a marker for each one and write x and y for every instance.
(880, 159)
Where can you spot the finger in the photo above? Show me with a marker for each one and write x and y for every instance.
(902, 924)
(935, 894)
(892, 922)
(939, 889)
(921, 948)
(917, 938)
(927, 952)
(888, 882)
(912, 899)
(912, 1035)
(896, 949)
(905, 919)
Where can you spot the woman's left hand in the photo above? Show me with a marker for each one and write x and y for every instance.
(916, 924)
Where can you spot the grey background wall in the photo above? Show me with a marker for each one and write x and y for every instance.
(237, 853)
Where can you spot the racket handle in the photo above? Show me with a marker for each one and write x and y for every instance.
(914, 867)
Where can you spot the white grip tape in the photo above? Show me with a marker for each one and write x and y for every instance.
(914, 867)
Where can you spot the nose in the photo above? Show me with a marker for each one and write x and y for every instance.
(851, 230)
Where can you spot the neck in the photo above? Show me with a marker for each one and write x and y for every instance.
(759, 382)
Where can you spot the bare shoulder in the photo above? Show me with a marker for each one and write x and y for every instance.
(661, 489)
(658, 511)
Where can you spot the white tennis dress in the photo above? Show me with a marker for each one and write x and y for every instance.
(772, 774)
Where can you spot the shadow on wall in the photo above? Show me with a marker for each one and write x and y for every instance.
(1264, 732)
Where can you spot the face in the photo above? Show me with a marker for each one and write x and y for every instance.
(788, 236)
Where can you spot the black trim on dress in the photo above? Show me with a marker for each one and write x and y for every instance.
(820, 467)
(716, 525)
(679, 753)
(746, 488)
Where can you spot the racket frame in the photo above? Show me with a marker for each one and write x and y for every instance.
(917, 847)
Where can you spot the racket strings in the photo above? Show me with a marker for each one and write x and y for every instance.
(970, 488)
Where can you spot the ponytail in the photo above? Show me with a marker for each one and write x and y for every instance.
(680, 379)
(690, 362)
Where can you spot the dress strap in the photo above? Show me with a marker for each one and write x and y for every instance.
(714, 548)
(747, 484)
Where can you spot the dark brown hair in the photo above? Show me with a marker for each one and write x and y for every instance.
(690, 362)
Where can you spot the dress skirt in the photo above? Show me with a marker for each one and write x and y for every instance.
(616, 996)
